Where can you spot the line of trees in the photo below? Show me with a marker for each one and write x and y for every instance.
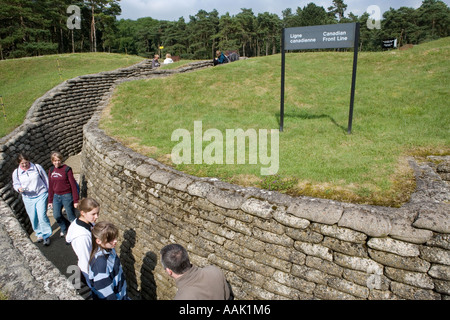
(38, 27)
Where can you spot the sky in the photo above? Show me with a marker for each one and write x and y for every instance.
(172, 10)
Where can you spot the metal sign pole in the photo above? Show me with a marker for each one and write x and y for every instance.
(345, 35)
(355, 63)
(283, 64)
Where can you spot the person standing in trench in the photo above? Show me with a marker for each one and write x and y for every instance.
(62, 192)
(31, 181)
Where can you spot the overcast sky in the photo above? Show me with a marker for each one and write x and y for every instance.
(172, 10)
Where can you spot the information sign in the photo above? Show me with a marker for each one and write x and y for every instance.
(344, 35)
(389, 44)
(320, 37)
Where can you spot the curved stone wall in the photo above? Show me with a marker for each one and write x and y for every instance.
(270, 245)
(54, 122)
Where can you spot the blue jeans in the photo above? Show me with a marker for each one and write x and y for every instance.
(66, 201)
(36, 208)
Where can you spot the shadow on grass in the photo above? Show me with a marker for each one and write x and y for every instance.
(308, 116)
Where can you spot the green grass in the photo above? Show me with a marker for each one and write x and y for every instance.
(24, 80)
(401, 109)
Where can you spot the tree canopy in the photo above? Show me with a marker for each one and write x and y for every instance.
(30, 28)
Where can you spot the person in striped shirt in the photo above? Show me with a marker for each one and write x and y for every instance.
(105, 271)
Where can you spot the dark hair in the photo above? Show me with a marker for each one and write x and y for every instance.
(22, 156)
(176, 258)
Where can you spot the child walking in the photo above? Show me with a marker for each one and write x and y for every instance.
(80, 237)
(105, 271)
(62, 192)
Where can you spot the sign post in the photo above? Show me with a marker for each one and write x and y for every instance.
(352, 94)
(283, 65)
(344, 35)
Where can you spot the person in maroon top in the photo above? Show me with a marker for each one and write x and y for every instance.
(62, 192)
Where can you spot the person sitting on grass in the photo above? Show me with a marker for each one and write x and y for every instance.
(220, 58)
(155, 61)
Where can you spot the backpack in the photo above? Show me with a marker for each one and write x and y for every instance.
(67, 170)
(233, 56)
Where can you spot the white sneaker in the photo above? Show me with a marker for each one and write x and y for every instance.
(47, 242)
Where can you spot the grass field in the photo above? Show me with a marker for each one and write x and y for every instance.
(401, 109)
(24, 80)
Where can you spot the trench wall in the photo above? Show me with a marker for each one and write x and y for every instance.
(270, 245)
(54, 122)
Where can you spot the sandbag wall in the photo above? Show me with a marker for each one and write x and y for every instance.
(55, 123)
(270, 245)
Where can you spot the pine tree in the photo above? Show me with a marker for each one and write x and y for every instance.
(24, 29)
(338, 8)
(434, 19)
(98, 9)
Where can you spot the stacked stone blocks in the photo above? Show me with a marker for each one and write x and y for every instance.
(270, 245)
(54, 122)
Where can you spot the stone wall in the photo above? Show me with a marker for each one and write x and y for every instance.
(25, 273)
(270, 245)
(54, 122)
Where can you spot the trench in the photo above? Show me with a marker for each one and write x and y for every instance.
(53, 122)
(270, 246)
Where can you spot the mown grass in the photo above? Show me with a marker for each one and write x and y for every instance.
(24, 80)
(401, 109)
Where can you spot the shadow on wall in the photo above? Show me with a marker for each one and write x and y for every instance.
(83, 187)
(148, 283)
(147, 278)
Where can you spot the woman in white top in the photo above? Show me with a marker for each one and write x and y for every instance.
(79, 234)
(31, 181)
(168, 59)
